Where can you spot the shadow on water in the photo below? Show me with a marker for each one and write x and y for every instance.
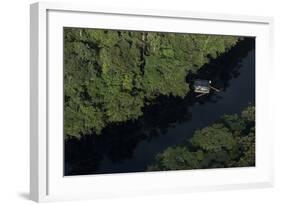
(132, 146)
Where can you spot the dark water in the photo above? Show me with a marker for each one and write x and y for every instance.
(132, 146)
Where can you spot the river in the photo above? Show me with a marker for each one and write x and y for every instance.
(132, 146)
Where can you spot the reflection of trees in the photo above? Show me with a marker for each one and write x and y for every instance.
(224, 68)
(118, 141)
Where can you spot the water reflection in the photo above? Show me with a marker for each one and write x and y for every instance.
(131, 146)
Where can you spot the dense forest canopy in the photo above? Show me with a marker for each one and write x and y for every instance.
(109, 76)
(229, 142)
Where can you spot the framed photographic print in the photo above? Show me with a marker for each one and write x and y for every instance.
(127, 102)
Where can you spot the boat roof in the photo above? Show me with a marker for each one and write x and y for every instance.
(204, 83)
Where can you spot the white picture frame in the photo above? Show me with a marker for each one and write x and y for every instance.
(47, 182)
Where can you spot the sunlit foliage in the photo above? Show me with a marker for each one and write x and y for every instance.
(109, 76)
(230, 142)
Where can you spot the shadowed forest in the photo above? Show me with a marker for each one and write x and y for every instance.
(130, 105)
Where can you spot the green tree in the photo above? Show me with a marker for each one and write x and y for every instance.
(230, 142)
(213, 139)
(177, 158)
(247, 146)
(109, 76)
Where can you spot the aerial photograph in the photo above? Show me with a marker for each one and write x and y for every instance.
(146, 101)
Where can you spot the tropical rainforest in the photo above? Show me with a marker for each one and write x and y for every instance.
(130, 104)
(110, 76)
(229, 142)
